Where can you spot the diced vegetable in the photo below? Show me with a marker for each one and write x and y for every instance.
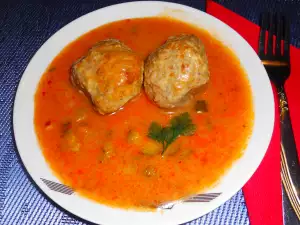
(201, 106)
(71, 141)
(151, 148)
(133, 137)
(150, 171)
(108, 150)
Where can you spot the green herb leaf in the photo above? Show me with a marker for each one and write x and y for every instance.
(181, 121)
(155, 132)
(189, 130)
(168, 134)
(179, 125)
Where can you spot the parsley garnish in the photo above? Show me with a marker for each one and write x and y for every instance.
(179, 125)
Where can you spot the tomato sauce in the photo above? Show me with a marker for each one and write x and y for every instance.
(106, 164)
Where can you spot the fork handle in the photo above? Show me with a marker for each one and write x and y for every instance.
(290, 169)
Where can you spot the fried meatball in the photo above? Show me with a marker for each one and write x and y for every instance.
(110, 74)
(175, 69)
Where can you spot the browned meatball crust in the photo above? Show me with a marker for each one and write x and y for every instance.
(110, 74)
(175, 69)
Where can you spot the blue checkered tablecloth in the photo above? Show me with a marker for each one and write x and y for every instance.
(24, 27)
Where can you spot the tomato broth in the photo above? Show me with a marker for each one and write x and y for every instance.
(107, 163)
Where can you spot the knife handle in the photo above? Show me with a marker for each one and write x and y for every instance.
(289, 215)
(290, 169)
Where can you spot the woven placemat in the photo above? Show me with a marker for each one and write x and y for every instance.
(251, 10)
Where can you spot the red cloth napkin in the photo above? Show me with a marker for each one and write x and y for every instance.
(263, 191)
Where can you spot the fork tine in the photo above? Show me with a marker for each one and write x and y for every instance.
(262, 34)
(286, 49)
(279, 34)
(270, 35)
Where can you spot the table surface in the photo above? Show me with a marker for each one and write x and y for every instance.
(24, 27)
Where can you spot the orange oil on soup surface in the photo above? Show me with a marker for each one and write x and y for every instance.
(104, 165)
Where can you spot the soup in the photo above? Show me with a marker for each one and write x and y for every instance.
(112, 158)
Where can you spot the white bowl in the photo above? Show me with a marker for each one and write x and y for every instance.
(232, 182)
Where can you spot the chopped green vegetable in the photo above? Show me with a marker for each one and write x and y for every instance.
(201, 106)
(179, 125)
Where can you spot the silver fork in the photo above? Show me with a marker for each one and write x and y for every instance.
(276, 59)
